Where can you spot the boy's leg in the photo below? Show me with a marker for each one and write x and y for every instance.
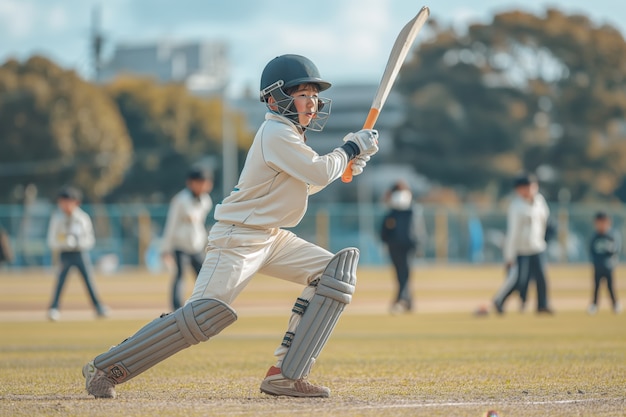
(609, 285)
(231, 261)
(400, 258)
(524, 276)
(177, 280)
(65, 267)
(539, 272)
(510, 284)
(405, 292)
(227, 269)
(331, 282)
(197, 259)
(84, 266)
(597, 278)
(196, 322)
(296, 260)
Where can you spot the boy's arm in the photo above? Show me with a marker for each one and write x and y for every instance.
(89, 239)
(512, 232)
(618, 243)
(170, 226)
(53, 242)
(419, 226)
(284, 150)
(314, 189)
(289, 154)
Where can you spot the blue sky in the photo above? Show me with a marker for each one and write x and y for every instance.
(348, 39)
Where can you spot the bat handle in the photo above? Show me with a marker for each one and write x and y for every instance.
(347, 174)
(372, 116)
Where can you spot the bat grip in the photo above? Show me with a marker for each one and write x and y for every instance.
(372, 116)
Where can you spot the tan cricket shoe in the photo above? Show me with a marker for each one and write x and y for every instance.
(97, 383)
(276, 384)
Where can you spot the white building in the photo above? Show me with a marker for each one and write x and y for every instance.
(202, 66)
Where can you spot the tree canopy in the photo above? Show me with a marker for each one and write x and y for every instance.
(57, 129)
(170, 130)
(543, 93)
(129, 140)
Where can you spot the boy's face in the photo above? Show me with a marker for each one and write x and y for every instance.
(603, 225)
(527, 192)
(306, 102)
(198, 187)
(67, 205)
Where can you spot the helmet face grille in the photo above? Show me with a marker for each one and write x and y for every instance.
(285, 107)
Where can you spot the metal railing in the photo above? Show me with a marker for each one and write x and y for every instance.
(128, 234)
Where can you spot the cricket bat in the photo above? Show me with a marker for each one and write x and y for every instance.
(397, 56)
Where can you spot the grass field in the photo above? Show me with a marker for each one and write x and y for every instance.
(439, 361)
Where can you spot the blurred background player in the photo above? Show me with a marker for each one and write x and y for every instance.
(402, 231)
(70, 233)
(525, 244)
(6, 251)
(185, 235)
(605, 246)
(279, 174)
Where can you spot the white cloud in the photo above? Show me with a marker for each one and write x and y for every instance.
(57, 18)
(17, 18)
(461, 17)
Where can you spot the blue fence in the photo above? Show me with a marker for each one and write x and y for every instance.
(128, 235)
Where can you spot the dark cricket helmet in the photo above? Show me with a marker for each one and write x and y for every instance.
(290, 70)
(285, 72)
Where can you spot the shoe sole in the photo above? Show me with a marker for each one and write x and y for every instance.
(88, 380)
(289, 393)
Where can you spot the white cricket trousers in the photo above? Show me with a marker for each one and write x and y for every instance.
(235, 253)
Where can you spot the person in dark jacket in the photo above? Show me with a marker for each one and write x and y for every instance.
(402, 229)
(604, 247)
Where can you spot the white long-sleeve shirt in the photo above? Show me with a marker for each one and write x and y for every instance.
(280, 173)
(526, 227)
(72, 232)
(185, 224)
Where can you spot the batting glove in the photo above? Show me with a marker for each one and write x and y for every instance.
(363, 142)
(358, 164)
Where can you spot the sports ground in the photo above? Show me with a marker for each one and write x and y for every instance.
(442, 360)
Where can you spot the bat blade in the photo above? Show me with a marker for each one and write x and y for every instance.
(400, 50)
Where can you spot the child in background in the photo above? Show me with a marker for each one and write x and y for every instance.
(402, 229)
(185, 235)
(71, 234)
(605, 247)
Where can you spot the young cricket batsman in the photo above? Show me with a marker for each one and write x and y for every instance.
(279, 174)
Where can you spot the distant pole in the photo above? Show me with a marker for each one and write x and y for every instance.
(365, 212)
(230, 166)
(97, 39)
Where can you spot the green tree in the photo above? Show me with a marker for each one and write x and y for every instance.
(57, 129)
(171, 130)
(545, 93)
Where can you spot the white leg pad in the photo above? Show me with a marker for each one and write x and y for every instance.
(191, 324)
(334, 291)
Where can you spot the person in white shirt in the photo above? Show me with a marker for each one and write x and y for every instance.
(70, 233)
(280, 172)
(525, 244)
(185, 235)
